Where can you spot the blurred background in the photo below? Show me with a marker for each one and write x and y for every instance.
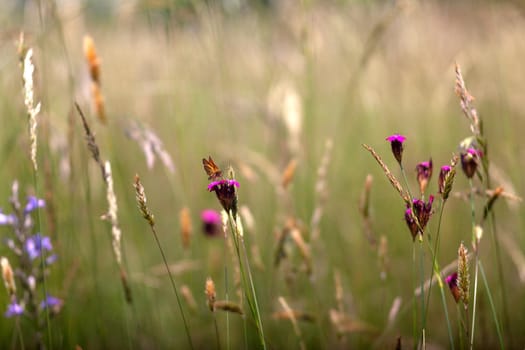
(262, 86)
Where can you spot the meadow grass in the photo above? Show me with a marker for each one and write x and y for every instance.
(286, 97)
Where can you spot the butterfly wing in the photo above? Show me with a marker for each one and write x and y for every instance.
(211, 168)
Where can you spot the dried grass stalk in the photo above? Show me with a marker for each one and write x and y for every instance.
(389, 175)
(466, 100)
(296, 314)
(346, 324)
(293, 320)
(188, 296)
(91, 143)
(151, 145)
(93, 62)
(111, 215)
(8, 276)
(28, 69)
(211, 295)
(364, 209)
(321, 190)
(338, 291)
(288, 173)
(228, 306)
(185, 227)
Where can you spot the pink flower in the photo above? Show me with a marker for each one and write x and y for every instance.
(211, 222)
(396, 142)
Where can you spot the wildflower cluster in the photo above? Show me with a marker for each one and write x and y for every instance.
(418, 211)
(32, 257)
(418, 215)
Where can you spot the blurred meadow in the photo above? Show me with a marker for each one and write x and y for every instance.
(285, 93)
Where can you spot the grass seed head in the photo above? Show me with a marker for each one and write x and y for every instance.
(8, 276)
(211, 295)
(289, 173)
(446, 178)
(185, 227)
(140, 196)
(463, 278)
(92, 59)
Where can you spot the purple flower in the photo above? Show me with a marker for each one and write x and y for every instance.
(33, 203)
(35, 244)
(212, 222)
(411, 223)
(226, 193)
(396, 142)
(452, 281)
(214, 184)
(420, 211)
(51, 302)
(7, 219)
(14, 309)
(51, 259)
(423, 210)
(469, 161)
(424, 173)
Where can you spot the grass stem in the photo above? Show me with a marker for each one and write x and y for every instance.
(492, 307)
(476, 252)
(247, 279)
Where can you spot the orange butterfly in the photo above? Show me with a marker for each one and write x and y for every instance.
(211, 168)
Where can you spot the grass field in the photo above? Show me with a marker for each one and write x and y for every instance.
(290, 92)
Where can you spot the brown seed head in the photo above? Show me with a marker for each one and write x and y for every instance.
(92, 59)
(463, 280)
(98, 101)
(185, 227)
(211, 295)
(7, 275)
(289, 173)
(140, 196)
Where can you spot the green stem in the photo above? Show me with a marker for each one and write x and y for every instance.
(461, 327)
(217, 332)
(414, 272)
(443, 301)
(474, 305)
(226, 293)
(252, 287)
(422, 295)
(492, 307)
(19, 334)
(244, 264)
(493, 230)
(405, 180)
(43, 266)
(173, 285)
(434, 256)
(476, 252)
(465, 307)
(414, 305)
(437, 272)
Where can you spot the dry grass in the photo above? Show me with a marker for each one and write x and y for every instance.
(204, 89)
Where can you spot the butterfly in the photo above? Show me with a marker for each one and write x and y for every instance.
(211, 168)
